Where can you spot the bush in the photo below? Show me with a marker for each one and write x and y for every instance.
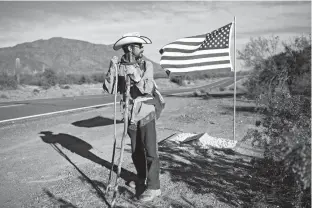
(36, 91)
(280, 81)
(3, 96)
(66, 87)
(49, 78)
(177, 80)
(85, 79)
(7, 81)
(98, 78)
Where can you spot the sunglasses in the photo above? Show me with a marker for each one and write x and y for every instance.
(139, 46)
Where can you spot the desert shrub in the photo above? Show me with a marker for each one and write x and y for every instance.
(85, 79)
(73, 78)
(48, 78)
(65, 87)
(280, 81)
(198, 75)
(36, 91)
(7, 81)
(3, 96)
(98, 77)
(177, 79)
(26, 79)
(63, 78)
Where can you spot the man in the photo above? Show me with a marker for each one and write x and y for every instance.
(145, 106)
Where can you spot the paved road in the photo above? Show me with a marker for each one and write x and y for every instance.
(31, 108)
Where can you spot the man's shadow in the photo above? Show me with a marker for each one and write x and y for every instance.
(80, 147)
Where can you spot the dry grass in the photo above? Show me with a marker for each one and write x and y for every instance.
(28, 92)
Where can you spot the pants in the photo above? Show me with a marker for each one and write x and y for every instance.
(145, 153)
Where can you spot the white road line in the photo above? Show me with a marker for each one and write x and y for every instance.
(56, 112)
(7, 106)
(75, 109)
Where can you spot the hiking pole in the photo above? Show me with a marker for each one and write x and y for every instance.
(123, 137)
(115, 131)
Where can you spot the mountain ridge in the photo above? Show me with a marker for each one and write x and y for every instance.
(62, 55)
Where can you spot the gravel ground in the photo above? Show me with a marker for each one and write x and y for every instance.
(59, 176)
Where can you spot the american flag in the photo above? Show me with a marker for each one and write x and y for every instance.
(198, 53)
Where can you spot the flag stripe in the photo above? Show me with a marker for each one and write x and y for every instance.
(193, 61)
(201, 52)
(168, 66)
(176, 50)
(194, 57)
(190, 40)
(189, 43)
(201, 68)
(201, 72)
(183, 47)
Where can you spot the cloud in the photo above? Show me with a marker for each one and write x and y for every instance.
(278, 30)
(163, 22)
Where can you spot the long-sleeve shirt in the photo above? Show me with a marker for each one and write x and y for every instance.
(142, 87)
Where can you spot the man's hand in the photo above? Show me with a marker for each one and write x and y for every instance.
(114, 60)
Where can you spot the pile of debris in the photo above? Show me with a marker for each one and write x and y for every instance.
(202, 140)
(205, 141)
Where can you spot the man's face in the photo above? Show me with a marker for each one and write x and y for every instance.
(137, 50)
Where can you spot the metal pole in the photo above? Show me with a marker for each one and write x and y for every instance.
(234, 120)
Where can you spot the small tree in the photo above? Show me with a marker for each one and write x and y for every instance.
(280, 80)
(49, 78)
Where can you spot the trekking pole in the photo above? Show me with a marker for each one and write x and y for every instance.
(123, 138)
(115, 131)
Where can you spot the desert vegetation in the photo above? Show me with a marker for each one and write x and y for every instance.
(280, 83)
(49, 78)
(184, 78)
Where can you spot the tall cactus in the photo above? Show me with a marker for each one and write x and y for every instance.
(17, 70)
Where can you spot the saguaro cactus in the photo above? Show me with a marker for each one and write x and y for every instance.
(17, 70)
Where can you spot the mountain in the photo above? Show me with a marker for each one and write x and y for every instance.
(62, 55)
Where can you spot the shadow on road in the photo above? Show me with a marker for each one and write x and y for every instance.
(80, 147)
(57, 200)
(95, 122)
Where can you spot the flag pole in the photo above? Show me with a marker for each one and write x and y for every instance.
(234, 120)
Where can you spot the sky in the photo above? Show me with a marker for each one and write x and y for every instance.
(104, 22)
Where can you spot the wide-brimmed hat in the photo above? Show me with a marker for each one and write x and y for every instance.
(129, 38)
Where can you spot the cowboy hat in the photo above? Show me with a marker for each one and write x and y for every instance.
(131, 38)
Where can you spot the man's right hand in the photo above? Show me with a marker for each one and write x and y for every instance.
(114, 60)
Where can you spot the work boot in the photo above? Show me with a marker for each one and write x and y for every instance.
(149, 195)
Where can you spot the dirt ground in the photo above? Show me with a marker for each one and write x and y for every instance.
(57, 174)
(64, 161)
